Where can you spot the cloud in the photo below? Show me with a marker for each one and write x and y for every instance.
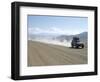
(37, 30)
(52, 30)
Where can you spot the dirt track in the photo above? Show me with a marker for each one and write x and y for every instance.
(41, 54)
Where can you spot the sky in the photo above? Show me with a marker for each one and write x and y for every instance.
(67, 25)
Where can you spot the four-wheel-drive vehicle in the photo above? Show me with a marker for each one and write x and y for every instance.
(76, 43)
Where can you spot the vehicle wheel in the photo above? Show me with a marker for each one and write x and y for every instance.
(72, 46)
(77, 47)
(82, 46)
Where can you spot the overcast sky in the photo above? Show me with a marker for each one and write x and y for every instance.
(56, 24)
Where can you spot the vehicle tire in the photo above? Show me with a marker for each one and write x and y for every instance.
(72, 46)
(77, 46)
(82, 46)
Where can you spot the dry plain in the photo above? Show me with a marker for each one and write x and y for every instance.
(42, 54)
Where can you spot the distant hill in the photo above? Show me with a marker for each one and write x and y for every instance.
(42, 36)
(82, 36)
(52, 38)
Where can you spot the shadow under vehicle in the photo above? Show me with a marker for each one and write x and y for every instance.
(76, 43)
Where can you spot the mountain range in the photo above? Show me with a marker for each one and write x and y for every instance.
(82, 36)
